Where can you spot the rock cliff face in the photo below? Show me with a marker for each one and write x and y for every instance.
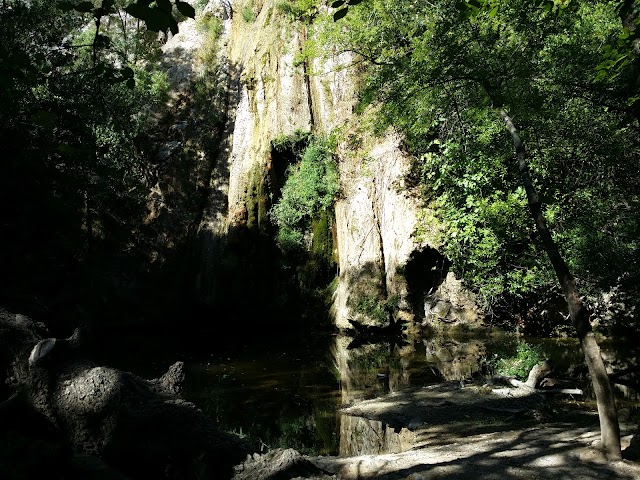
(270, 91)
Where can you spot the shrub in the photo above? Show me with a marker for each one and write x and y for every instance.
(377, 309)
(155, 83)
(516, 363)
(297, 9)
(247, 12)
(211, 25)
(310, 188)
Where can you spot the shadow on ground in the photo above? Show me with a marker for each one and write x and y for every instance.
(463, 433)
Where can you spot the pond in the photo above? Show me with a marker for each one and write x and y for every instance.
(287, 392)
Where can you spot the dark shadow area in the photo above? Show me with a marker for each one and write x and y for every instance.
(31, 444)
(105, 249)
(244, 273)
(69, 406)
(373, 335)
(632, 452)
(540, 313)
(425, 270)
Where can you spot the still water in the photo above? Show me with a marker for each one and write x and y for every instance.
(287, 392)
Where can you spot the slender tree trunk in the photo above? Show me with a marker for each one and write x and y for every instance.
(609, 427)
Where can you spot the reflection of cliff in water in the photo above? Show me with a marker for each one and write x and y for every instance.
(453, 359)
(365, 372)
(368, 371)
(361, 436)
(286, 392)
(378, 369)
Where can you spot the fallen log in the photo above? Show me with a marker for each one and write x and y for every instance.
(566, 391)
(524, 385)
(538, 372)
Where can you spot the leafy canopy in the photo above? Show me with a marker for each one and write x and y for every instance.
(439, 70)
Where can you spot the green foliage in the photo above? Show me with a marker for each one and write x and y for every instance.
(515, 359)
(211, 25)
(295, 143)
(80, 105)
(155, 84)
(619, 54)
(375, 308)
(486, 228)
(158, 16)
(248, 12)
(199, 5)
(438, 70)
(310, 189)
(300, 10)
(342, 7)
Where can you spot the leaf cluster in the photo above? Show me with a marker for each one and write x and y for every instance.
(342, 7)
(310, 188)
(299, 10)
(158, 15)
(514, 359)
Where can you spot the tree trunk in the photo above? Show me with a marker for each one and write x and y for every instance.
(609, 427)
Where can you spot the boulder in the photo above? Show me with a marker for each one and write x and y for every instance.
(142, 428)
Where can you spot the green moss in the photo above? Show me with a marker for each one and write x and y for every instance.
(257, 200)
(322, 241)
(378, 309)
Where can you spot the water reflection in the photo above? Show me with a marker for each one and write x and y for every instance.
(278, 395)
(289, 393)
(371, 371)
(453, 359)
(374, 370)
(361, 436)
(377, 369)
